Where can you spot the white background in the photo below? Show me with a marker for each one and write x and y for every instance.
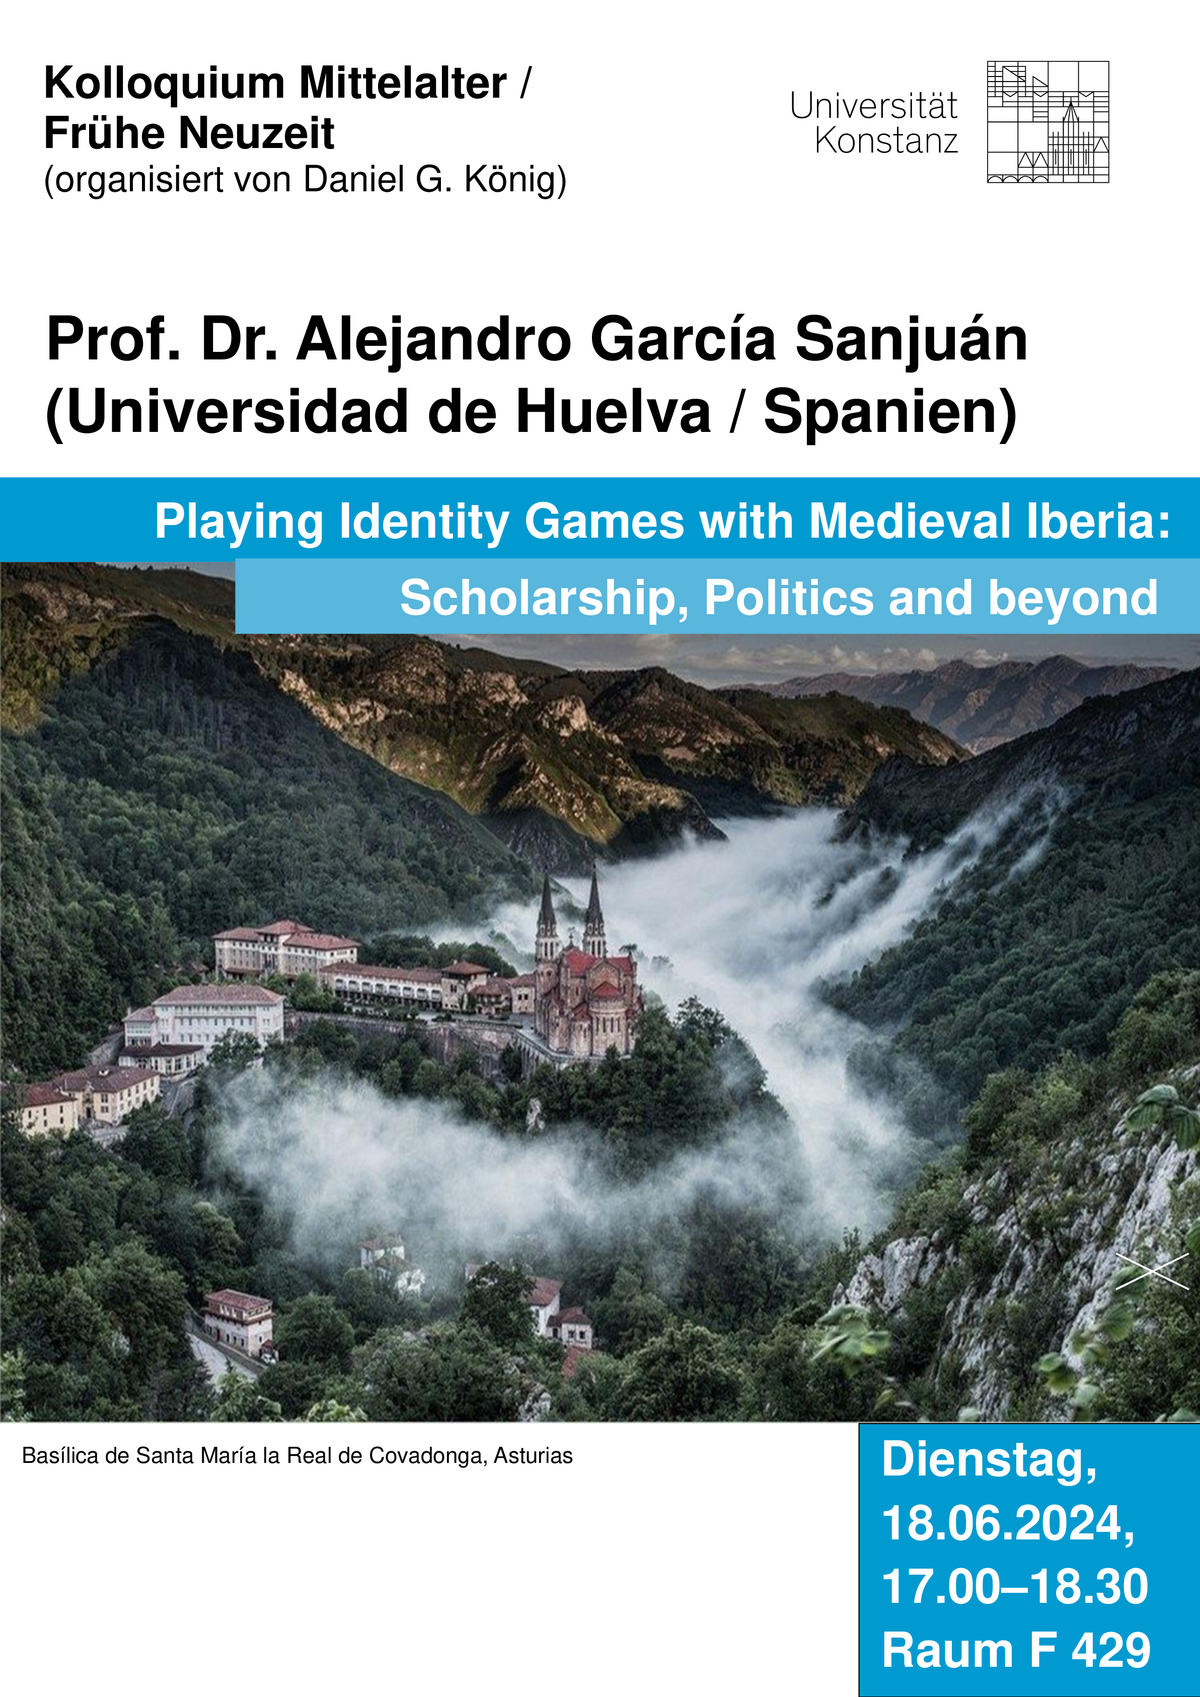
(692, 195)
(708, 1558)
(698, 1559)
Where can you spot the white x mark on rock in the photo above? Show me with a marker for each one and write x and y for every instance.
(1150, 1272)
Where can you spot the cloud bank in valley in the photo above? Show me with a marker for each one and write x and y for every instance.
(752, 927)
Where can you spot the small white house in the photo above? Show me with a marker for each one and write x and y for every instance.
(383, 1258)
(239, 1319)
(572, 1328)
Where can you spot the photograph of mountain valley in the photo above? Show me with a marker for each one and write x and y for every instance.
(592, 1028)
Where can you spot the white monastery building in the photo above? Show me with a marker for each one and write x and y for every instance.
(462, 985)
(384, 1259)
(197, 1016)
(414, 986)
(168, 1060)
(284, 946)
(572, 1328)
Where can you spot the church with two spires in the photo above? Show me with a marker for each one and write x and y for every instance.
(585, 1001)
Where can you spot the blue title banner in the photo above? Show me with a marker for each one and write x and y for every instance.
(1040, 1560)
(722, 555)
(531, 597)
(213, 520)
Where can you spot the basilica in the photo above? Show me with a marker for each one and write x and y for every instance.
(585, 1001)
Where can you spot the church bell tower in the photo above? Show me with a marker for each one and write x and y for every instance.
(594, 941)
(546, 947)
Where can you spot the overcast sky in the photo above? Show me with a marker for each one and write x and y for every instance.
(768, 659)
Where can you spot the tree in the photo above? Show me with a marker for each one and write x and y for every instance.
(445, 1373)
(370, 1303)
(18, 1247)
(329, 1409)
(157, 1143)
(12, 1386)
(497, 1301)
(60, 1242)
(681, 1375)
(630, 1315)
(789, 1385)
(295, 1386)
(315, 1329)
(311, 997)
(239, 1398)
(146, 1303)
(234, 1052)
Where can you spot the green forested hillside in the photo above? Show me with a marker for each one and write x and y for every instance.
(171, 791)
(557, 763)
(57, 618)
(1093, 889)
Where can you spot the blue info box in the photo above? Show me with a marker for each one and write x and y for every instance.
(1028, 1560)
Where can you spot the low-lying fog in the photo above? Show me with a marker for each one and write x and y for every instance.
(751, 926)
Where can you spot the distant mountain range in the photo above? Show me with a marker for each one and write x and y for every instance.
(558, 764)
(982, 706)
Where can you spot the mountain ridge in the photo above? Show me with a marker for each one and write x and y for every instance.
(983, 706)
(560, 765)
(1084, 888)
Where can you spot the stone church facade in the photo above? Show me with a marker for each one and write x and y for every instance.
(586, 1001)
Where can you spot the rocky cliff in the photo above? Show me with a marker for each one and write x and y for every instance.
(561, 764)
(1028, 1259)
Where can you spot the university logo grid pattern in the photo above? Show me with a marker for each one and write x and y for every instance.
(1048, 121)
